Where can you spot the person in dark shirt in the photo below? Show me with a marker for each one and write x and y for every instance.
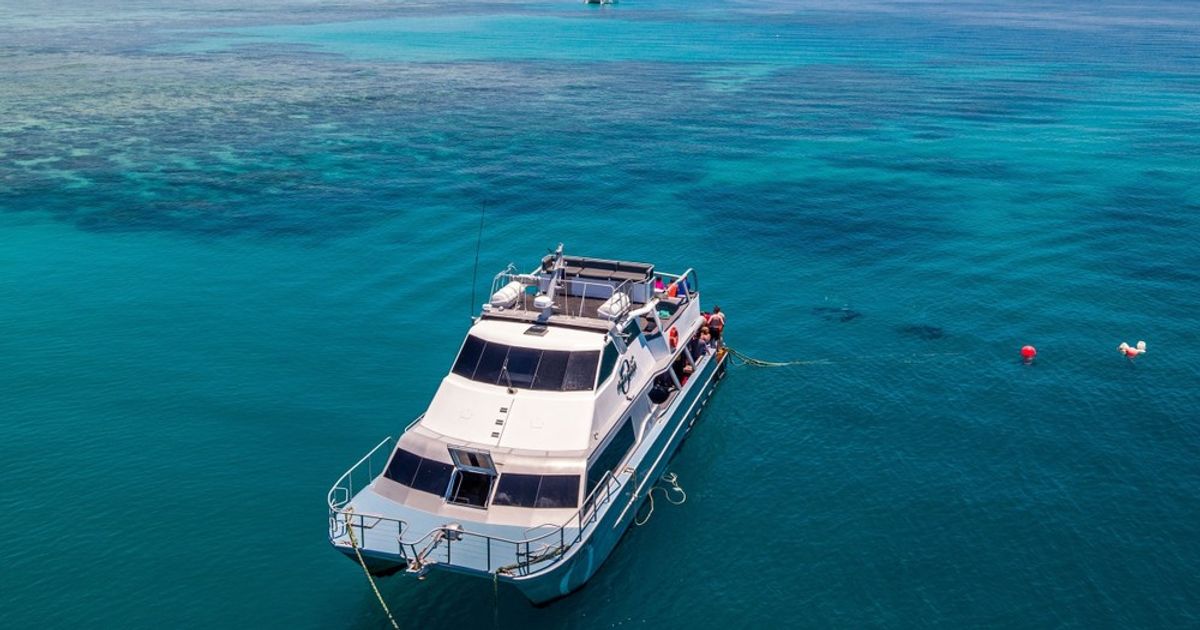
(701, 343)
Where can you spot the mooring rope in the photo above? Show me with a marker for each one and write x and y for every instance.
(740, 358)
(749, 360)
(354, 543)
(672, 479)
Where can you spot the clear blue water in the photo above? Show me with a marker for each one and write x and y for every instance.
(236, 247)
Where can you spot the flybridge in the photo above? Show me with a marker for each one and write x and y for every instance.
(572, 291)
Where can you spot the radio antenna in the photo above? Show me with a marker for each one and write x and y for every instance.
(478, 243)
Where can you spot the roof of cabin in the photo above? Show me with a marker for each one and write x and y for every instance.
(525, 335)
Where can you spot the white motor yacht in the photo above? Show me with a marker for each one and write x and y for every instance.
(573, 389)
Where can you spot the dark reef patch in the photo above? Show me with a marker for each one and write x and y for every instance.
(834, 314)
(921, 331)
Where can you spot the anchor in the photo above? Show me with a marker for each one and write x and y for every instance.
(420, 564)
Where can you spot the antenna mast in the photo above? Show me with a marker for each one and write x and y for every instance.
(478, 242)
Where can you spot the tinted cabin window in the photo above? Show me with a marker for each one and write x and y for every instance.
(547, 370)
(432, 477)
(419, 473)
(537, 491)
(518, 490)
(491, 363)
(469, 357)
(608, 361)
(558, 491)
(581, 371)
(551, 370)
(403, 467)
(612, 455)
(522, 363)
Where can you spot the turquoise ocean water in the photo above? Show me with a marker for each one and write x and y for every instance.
(236, 250)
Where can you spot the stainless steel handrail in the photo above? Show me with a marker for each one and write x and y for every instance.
(344, 490)
(345, 483)
(525, 552)
(509, 274)
(529, 551)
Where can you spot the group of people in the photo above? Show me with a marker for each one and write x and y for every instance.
(706, 339)
(709, 335)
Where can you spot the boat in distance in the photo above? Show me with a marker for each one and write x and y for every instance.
(574, 387)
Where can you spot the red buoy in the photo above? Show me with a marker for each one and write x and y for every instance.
(1028, 352)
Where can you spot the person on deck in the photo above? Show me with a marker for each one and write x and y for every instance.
(716, 324)
(700, 343)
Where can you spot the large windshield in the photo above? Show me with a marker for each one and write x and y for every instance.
(529, 368)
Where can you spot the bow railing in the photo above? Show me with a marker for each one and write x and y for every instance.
(475, 551)
(455, 546)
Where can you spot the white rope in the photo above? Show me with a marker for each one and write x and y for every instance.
(672, 479)
(742, 359)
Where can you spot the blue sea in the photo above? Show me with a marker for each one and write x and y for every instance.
(237, 249)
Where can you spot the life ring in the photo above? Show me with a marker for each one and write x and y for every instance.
(673, 336)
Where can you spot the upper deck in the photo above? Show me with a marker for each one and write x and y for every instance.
(583, 292)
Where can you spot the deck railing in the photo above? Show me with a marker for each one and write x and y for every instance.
(359, 476)
(572, 287)
(514, 557)
(475, 551)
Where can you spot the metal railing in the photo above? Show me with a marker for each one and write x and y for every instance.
(689, 276)
(476, 551)
(359, 476)
(572, 287)
(497, 554)
(344, 488)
